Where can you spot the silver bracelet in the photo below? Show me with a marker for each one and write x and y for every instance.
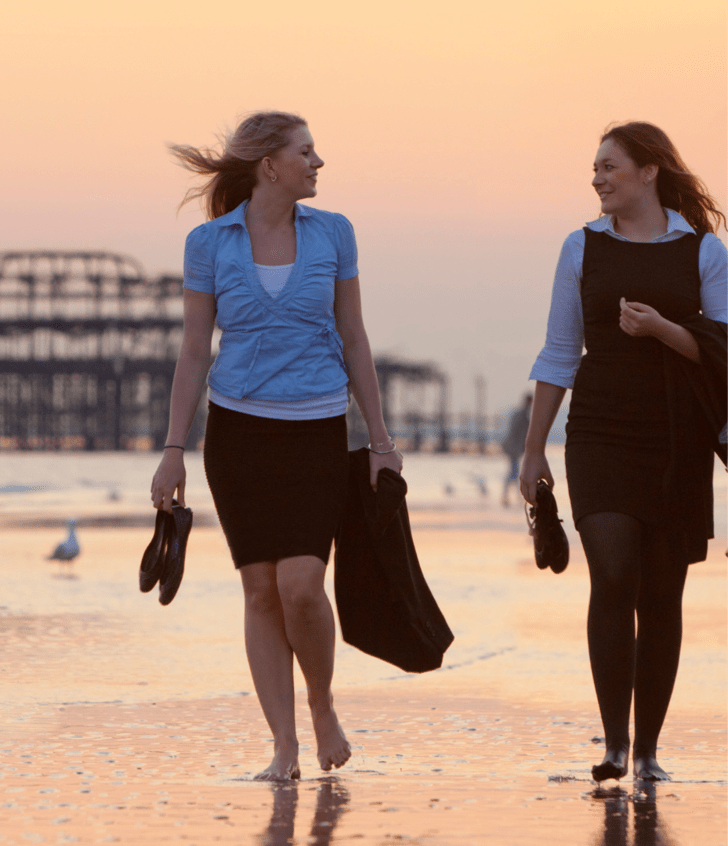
(383, 443)
(382, 452)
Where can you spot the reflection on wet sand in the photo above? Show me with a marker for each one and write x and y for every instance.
(331, 801)
(648, 828)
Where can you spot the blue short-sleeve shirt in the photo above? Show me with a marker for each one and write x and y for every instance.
(282, 348)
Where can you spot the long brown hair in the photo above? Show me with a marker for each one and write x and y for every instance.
(233, 174)
(677, 187)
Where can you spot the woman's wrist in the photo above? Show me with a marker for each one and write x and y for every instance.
(677, 338)
(661, 328)
(379, 436)
(392, 447)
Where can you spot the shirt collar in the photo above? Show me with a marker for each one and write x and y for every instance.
(675, 223)
(237, 216)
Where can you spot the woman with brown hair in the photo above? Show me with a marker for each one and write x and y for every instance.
(643, 288)
(280, 279)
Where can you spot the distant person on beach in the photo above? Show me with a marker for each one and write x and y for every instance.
(280, 279)
(643, 288)
(514, 443)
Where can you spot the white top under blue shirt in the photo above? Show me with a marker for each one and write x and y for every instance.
(560, 357)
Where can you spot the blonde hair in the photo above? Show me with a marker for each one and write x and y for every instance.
(233, 174)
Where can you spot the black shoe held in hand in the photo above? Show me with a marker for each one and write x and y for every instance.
(550, 544)
(174, 563)
(164, 559)
(155, 554)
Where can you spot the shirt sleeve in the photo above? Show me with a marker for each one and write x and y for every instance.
(199, 274)
(713, 266)
(346, 249)
(560, 357)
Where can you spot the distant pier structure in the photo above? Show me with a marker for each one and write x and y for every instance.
(88, 345)
(415, 405)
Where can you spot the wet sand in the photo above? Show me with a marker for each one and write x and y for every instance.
(128, 722)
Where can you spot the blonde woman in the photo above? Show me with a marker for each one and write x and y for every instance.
(281, 281)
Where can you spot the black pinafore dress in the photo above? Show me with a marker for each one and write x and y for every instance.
(619, 447)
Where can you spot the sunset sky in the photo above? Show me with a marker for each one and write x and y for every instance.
(458, 138)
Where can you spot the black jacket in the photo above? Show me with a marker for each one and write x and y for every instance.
(709, 379)
(385, 606)
(697, 398)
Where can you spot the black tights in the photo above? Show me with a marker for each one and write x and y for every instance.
(632, 570)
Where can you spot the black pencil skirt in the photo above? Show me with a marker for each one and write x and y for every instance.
(278, 485)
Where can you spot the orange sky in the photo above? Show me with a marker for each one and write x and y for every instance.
(458, 137)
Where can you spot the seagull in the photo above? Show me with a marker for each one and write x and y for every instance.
(66, 551)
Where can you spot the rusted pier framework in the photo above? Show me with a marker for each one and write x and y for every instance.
(87, 351)
(415, 404)
(88, 346)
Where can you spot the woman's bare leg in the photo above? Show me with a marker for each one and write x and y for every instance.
(271, 664)
(309, 625)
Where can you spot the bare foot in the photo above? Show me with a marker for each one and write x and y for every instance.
(614, 765)
(647, 768)
(283, 767)
(333, 747)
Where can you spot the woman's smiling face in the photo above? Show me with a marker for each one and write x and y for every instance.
(296, 165)
(622, 185)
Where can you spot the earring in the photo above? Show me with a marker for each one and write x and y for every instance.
(273, 178)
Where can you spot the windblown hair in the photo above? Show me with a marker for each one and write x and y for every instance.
(233, 174)
(677, 187)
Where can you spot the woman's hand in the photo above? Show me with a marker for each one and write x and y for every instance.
(642, 321)
(534, 467)
(639, 320)
(393, 460)
(170, 477)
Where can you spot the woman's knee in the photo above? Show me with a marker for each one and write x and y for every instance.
(660, 600)
(301, 603)
(262, 602)
(664, 575)
(614, 584)
(260, 588)
(300, 584)
(613, 547)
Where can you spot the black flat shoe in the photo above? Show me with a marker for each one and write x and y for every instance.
(174, 561)
(155, 554)
(550, 544)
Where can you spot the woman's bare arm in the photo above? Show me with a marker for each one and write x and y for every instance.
(547, 400)
(189, 380)
(362, 375)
